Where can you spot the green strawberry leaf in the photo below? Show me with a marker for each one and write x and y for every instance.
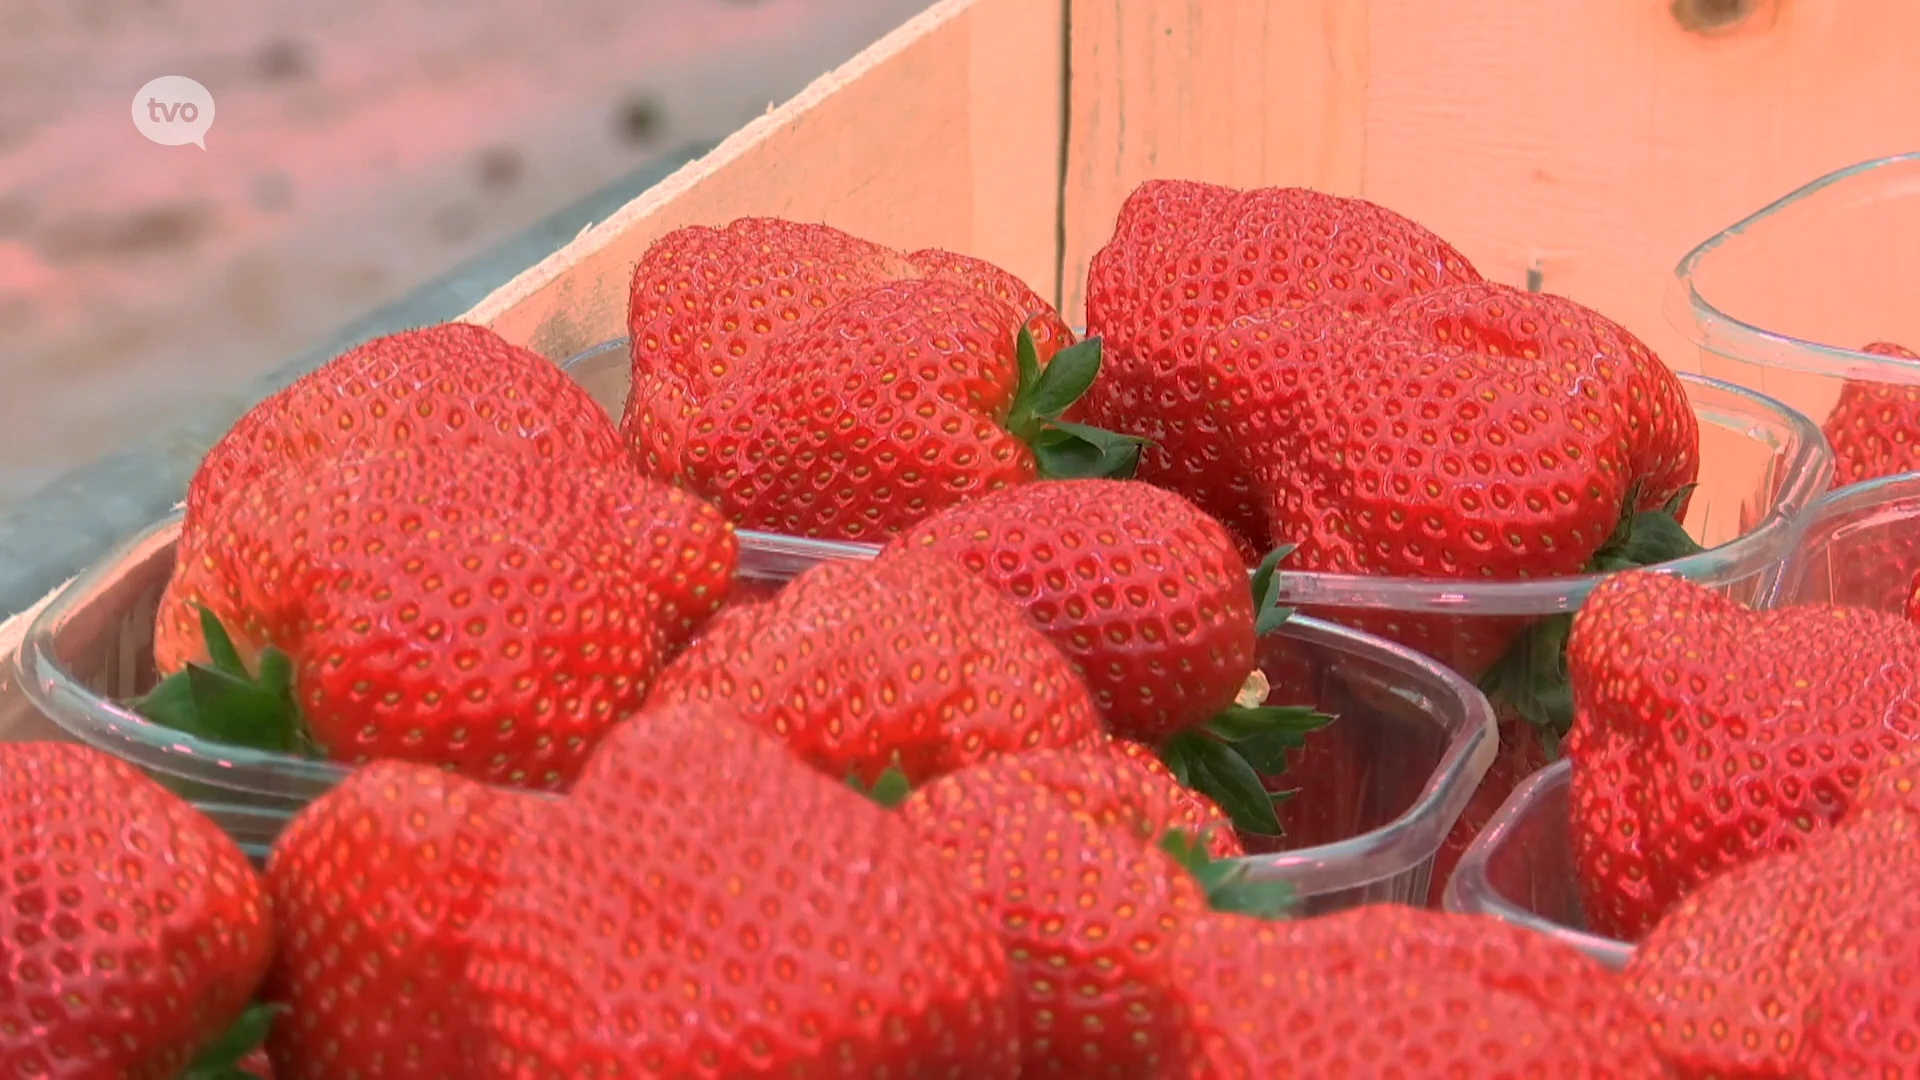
(1064, 450)
(220, 1060)
(1531, 678)
(1268, 615)
(1066, 376)
(1218, 771)
(889, 789)
(1227, 883)
(223, 702)
(1067, 451)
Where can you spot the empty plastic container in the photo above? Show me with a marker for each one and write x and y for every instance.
(1520, 869)
(1782, 300)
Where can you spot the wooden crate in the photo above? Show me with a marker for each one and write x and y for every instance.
(1588, 144)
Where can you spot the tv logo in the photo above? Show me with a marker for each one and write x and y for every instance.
(173, 110)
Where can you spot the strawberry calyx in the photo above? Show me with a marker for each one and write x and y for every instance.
(1064, 450)
(1531, 677)
(1226, 758)
(224, 702)
(1228, 883)
(222, 1058)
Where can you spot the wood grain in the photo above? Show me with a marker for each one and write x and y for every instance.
(945, 133)
(1594, 142)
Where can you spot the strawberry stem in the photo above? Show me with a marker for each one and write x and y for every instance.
(224, 702)
(1531, 677)
(1227, 882)
(1063, 450)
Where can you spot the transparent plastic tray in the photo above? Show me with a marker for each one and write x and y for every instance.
(1413, 741)
(1762, 465)
(1860, 547)
(1520, 869)
(92, 647)
(1780, 300)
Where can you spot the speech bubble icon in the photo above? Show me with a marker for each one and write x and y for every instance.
(173, 110)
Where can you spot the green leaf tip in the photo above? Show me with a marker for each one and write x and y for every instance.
(888, 790)
(220, 1060)
(1268, 614)
(1228, 883)
(224, 702)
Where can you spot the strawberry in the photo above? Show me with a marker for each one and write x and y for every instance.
(1874, 427)
(904, 661)
(1187, 809)
(1386, 991)
(705, 303)
(1786, 965)
(1185, 261)
(463, 610)
(377, 885)
(1149, 600)
(452, 383)
(134, 931)
(888, 406)
(1707, 735)
(1057, 846)
(704, 905)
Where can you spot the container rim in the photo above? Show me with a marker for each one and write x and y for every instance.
(1470, 891)
(1713, 329)
(1767, 543)
(1414, 837)
(1394, 848)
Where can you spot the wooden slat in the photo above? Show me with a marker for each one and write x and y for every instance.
(1598, 141)
(1240, 92)
(945, 133)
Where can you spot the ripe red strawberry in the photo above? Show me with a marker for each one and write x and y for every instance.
(1783, 966)
(905, 661)
(705, 303)
(1186, 259)
(1148, 598)
(1060, 852)
(1187, 809)
(463, 610)
(706, 906)
(453, 383)
(1874, 427)
(376, 886)
(133, 931)
(888, 406)
(1386, 991)
(1707, 735)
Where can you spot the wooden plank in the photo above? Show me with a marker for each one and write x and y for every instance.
(1240, 92)
(945, 133)
(1594, 142)
(1605, 140)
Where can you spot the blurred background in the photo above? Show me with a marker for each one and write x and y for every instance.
(361, 149)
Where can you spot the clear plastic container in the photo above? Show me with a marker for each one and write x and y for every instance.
(1421, 737)
(254, 828)
(1860, 547)
(1780, 300)
(1520, 869)
(92, 647)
